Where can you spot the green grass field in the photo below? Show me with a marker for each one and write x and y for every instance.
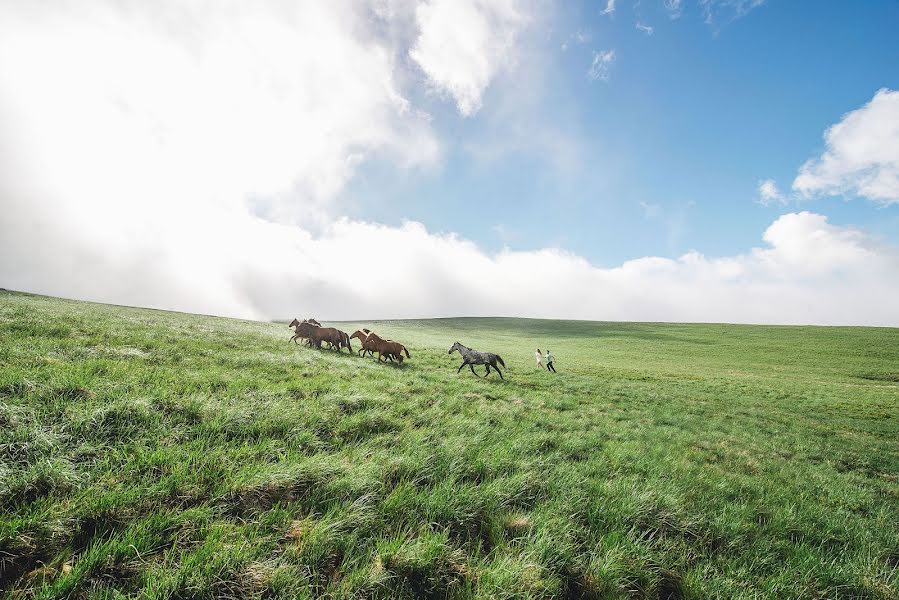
(164, 455)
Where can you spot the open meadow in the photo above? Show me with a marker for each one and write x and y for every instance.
(165, 455)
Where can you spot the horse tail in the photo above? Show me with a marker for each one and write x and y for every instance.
(499, 359)
(406, 350)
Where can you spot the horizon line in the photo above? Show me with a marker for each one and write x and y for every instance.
(382, 320)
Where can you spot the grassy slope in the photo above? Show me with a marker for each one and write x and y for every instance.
(187, 456)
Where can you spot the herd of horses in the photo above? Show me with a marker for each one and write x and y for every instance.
(387, 350)
(316, 335)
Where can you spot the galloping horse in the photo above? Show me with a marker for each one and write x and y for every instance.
(473, 357)
(362, 334)
(315, 334)
(297, 334)
(387, 348)
(372, 342)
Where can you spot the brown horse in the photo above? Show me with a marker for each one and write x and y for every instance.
(295, 324)
(335, 338)
(386, 349)
(345, 341)
(361, 335)
(316, 334)
(370, 347)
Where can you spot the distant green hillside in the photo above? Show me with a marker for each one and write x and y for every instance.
(179, 456)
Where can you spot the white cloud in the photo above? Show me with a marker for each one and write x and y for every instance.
(579, 37)
(805, 245)
(647, 29)
(601, 65)
(609, 9)
(674, 8)
(809, 272)
(128, 110)
(464, 43)
(721, 12)
(861, 156)
(769, 193)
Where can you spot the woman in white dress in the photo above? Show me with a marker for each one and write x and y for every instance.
(539, 358)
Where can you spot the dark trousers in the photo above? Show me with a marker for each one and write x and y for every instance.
(550, 366)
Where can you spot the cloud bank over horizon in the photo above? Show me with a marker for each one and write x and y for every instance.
(808, 272)
(155, 156)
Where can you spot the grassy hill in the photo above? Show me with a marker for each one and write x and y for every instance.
(180, 456)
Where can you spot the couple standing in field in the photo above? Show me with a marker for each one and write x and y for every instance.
(549, 360)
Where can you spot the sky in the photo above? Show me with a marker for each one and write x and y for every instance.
(645, 160)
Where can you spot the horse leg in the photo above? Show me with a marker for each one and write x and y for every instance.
(498, 371)
(459, 370)
(470, 366)
(488, 370)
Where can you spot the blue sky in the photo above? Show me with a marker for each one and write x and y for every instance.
(649, 160)
(689, 121)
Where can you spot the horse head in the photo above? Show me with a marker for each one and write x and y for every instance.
(294, 323)
(457, 347)
(360, 335)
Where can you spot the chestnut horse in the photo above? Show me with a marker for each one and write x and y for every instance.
(316, 334)
(362, 335)
(371, 347)
(295, 324)
(386, 349)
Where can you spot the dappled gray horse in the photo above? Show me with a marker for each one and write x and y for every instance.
(473, 357)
